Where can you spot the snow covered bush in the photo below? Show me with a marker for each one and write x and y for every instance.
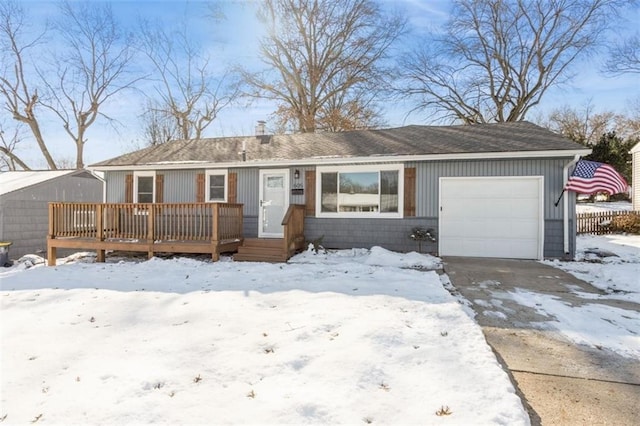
(628, 223)
(421, 234)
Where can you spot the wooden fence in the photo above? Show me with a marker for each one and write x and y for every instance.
(599, 223)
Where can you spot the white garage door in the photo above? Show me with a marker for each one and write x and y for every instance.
(491, 217)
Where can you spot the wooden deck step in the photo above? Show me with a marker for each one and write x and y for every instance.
(261, 250)
(263, 242)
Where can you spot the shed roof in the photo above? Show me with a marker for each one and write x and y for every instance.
(402, 141)
(15, 180)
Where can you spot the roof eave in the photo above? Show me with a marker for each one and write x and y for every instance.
(347, 160)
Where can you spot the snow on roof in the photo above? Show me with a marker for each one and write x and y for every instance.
(15, 180)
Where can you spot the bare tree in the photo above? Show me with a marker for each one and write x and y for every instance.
(584, 126)
(344, 112)
(321, 52)
(9, 141)
(191, 90)
(624, 57)
(158, 125)
(21, 99)
(587, 126)
(93, 69)
(497, 58)
(340, 113)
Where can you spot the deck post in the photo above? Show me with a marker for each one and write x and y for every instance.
(151, 229)
(51, 255)
(99, 213)
(215, 213)
(51, 250)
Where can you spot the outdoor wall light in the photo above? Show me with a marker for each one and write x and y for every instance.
(296, 174)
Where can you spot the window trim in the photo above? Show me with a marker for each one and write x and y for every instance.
(207, 187)
(136, 175)
(361, 168)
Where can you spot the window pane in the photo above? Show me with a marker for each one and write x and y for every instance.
(216, 193)
(275, 182)
(216, 180)
(216, 187)
(145, 198)
(359, 192)
(389, 191)
(145, 184)
(145, 189)
(329, 188)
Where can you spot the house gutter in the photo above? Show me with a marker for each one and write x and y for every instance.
(565, 202)
(336, 160)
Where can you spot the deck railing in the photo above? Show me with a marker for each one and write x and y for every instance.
(191, 227)
(293, 229)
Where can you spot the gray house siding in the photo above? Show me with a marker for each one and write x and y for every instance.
(428, 176)
(114, 186)
(24, 214)
(393, 234)
(179, 186)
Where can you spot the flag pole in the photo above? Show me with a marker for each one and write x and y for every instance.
(560, 197)
(565, 186)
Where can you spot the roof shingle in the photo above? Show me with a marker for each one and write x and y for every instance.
(409, 140)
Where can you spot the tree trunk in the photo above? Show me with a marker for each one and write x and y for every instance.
(14, 158)
(35, 128)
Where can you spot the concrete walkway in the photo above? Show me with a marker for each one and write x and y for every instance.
(561, 383)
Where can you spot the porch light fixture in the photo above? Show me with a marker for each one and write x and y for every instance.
(296, 174)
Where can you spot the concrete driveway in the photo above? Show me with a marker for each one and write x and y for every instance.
(561, 383)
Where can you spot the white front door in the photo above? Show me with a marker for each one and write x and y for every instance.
(274, 202)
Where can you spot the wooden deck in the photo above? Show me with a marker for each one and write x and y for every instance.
(207, 228)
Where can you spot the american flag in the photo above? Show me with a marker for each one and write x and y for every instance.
(590, 177)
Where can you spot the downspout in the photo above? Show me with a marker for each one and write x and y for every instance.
(565, 203)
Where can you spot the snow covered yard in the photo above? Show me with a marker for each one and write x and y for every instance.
(612, 264)
(603, 206)
(352, 337)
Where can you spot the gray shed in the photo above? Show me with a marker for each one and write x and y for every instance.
(24, 198)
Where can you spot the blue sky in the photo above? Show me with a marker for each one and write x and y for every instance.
(234, 41)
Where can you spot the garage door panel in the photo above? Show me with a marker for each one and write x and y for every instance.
(524, 230)
(500, 248)
(491, 217)
(526, 207)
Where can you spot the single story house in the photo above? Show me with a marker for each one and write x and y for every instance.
(635, 177)
(24, 198)
(486, 190)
